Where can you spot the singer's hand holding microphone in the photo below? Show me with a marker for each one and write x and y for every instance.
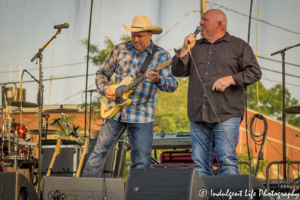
(190, 40)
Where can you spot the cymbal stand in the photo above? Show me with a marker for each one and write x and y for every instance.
(67, 124)
(16, 142)
(2, 140)
(46, 117)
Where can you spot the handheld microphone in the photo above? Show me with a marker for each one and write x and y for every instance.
(65, 25)
(197, 31)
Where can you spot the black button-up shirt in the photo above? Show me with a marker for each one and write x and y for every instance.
(226, 56)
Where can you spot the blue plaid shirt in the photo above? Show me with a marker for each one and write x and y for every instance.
(124, 61)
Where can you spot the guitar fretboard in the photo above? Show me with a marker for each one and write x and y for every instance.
(134, 83)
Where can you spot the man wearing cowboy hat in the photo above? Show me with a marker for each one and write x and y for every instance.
(126, 59)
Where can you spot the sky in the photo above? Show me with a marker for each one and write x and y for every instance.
(27, 25)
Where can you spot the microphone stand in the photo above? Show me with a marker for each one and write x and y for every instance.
(90, 118)
(282, 52)
(39, 56)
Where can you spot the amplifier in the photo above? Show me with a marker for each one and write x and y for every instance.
(66, 161)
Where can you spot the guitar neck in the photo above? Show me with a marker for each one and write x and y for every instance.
(51, 165)
(80, 165)
(141, 78)
(134, 83)
(82, 157)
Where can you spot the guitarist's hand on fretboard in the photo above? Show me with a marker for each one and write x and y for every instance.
(152, 76)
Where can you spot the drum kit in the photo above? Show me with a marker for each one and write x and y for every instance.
(16, 147)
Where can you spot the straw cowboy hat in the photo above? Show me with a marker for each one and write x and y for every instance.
(143, 23)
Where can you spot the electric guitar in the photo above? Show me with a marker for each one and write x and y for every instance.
(56, 152)
(84, 152)
(122, 91)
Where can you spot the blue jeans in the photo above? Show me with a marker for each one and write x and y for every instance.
(140, 136)
(208, 138)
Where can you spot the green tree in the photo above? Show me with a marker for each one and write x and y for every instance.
(98, 56)
(270, 102)
(244, 157)
(171, 108)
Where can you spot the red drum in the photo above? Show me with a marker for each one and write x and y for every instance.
(2, 168)
(22, 154)
(20, 128)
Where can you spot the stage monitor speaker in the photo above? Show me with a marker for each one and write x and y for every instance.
(165, 184)
(14, 185)
(83, 188)
(239, 186)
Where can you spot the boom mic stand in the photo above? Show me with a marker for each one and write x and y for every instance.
(39, 56)
(282, 52)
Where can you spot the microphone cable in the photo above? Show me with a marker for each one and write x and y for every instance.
(214, 108)
(259, 139)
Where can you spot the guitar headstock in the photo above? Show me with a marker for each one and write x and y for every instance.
(57, 148)
(164, 65)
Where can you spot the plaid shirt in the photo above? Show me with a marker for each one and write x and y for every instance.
(124, 61)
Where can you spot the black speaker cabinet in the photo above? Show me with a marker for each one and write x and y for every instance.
(66, 161)
(14, 185)
(240, 186)
(84, 188)
(165, 184)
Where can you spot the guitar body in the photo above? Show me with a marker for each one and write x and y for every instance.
(110, 108)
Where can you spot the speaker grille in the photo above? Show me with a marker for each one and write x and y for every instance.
(159, 184)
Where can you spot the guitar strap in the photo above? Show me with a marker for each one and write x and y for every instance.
(147, 60)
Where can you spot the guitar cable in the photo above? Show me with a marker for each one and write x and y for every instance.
(214, 108)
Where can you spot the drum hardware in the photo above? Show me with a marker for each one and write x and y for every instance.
(67, 124)
(22, 104)
(49, 132)
(16, 142)
(13, 94)
(46, 117)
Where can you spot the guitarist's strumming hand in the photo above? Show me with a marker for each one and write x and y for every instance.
(111, 96)
(152, 76)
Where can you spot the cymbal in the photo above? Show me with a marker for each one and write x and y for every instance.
(23, 103)
(61, 110)
(293, 110)
(49, 132)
